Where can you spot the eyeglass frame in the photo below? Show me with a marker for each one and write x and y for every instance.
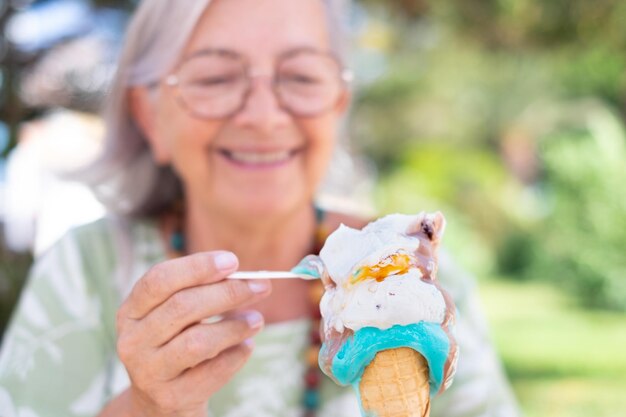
(346, 77)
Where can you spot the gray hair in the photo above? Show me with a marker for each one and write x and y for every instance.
(126, 178)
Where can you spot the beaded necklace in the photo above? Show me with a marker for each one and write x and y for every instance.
(312, 375)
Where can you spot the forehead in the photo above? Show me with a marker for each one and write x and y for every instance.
(261, 29)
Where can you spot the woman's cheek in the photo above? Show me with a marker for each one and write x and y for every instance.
(328, 142)
(319, 161)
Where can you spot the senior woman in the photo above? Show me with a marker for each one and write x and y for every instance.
(221, 123)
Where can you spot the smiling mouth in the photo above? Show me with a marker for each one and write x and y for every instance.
(259, 159)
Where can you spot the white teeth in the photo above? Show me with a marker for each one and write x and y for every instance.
(260, 158)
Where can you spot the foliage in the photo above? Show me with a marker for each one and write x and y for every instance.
(485, 113)
(460, 183)
(581, 242)
(523, 24)
(13, 270)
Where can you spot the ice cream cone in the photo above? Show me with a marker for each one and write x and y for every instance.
(395, 384)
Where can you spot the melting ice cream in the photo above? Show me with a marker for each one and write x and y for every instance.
(382, 293)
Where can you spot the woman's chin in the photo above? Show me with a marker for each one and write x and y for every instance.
(265, 205)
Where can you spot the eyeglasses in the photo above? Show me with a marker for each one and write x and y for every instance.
(215, 83)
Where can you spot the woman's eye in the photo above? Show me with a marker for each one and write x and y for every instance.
(300, 79)
(215, 81)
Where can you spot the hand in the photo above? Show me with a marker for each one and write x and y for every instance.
(175, 361)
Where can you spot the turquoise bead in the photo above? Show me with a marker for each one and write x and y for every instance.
(177, 241)
(311, 399)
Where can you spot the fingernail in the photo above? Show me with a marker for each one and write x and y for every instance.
(258, 286)
(249, 343)
(254, 319)
(225, 260)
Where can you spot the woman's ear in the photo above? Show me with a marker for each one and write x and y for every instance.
(143, 110)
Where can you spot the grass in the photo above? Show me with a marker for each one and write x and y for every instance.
(563, 361)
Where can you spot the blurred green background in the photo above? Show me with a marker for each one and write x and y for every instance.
(509, 116)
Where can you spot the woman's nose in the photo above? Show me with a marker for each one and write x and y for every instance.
(261, 109)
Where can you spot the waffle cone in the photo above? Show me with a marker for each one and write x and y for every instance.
(395, 384)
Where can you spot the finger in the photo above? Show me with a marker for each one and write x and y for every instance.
(192, 305)
(166, 278)
(209, 376)
(201, 342)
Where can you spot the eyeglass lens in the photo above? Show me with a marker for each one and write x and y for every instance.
(215, 85)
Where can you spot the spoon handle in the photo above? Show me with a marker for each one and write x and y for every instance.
(268, 275)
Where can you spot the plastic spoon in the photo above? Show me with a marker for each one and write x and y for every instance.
(269, 275)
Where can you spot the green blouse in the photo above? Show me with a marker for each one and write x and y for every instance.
(58, 357)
